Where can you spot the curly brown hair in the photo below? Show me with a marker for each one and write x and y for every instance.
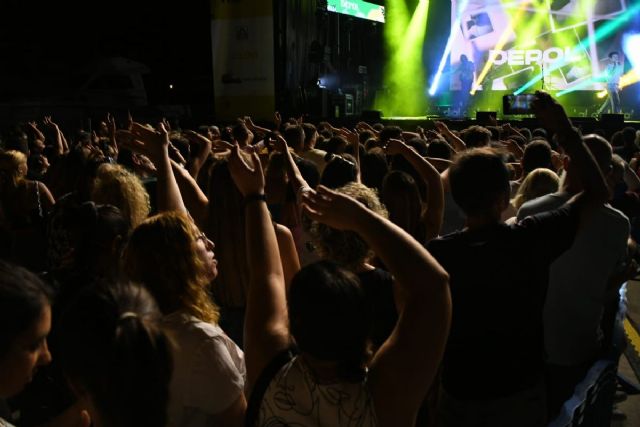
(161, 254)
(347, 248)
(115, 185)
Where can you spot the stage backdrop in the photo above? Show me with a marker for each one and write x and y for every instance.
(565, 38)
(243, 60)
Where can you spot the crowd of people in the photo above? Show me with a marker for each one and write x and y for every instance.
(301, 274)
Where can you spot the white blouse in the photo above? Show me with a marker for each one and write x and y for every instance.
(208, 373)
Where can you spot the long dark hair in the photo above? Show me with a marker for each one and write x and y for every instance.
(111, 347)
(23, 296)
(331, 317)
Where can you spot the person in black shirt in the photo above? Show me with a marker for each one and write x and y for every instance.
(492, 371)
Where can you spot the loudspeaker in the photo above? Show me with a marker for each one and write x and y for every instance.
(372, 116)
(486, 117)
(612, 120)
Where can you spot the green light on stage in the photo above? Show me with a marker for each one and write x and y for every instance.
(404, 75)
(397, 21)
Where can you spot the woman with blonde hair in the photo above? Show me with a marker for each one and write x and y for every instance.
(24, 205)
(176, 262)
(537, 183)
(115, 185)
(221, 216)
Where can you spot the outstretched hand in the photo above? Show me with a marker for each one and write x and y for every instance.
(153, 143)
(248, 178)
(111, 125)
(550, 113)
(441, 127)
(395, 146)
(333, 209)
(49, 123)
(277, 119)
(280, 144)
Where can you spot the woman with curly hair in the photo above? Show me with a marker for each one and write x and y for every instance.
(176, 262)
(115, 185)
(352, 253)
(331, 378)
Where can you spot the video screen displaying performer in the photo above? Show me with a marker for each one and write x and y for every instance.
(613, 73)
(512, 42)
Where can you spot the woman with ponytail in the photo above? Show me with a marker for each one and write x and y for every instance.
(116, 358)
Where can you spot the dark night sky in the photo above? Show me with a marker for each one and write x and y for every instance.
(44, 44)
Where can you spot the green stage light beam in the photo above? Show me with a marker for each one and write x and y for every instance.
(604, 31)
(405, 74)
(397, 19)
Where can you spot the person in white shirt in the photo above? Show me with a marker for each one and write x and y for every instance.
(578, 280)
(175, 261)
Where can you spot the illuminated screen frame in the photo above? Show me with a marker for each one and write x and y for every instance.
(509, 42)
(358, 9)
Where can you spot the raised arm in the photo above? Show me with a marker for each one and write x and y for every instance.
(456, 142)
(434, 214)
(111, 124)
(205, 146)
(37, 133)
(552, 115)
(295, 177)
(255, 128)
(155, 145)
(404, 367)
(266, 330)
(60, 142)
(194, 199)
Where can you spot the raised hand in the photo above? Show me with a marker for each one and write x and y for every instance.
(49, 123)
(150, 142)
(166, 124)
(395, 146)
(333, 209)
(249, 123)
(248, 178)
(277, 119)
(441, 127)
(129, 123)
(111, 125)
(550, 113)
(280, 144)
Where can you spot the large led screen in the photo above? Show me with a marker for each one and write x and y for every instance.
(509, 43)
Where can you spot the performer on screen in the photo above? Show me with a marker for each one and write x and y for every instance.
(466, 74)
(613, 73)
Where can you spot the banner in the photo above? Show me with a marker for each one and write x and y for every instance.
(357, 8)
(242, 35)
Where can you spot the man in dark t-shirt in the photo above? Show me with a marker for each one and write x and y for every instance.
(492, 368)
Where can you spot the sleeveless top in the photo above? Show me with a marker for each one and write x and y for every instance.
(291, 396)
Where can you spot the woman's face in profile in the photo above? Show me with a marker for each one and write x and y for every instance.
(27, 352)
(204, 251)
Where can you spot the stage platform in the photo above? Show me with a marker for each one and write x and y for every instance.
(586, 124)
